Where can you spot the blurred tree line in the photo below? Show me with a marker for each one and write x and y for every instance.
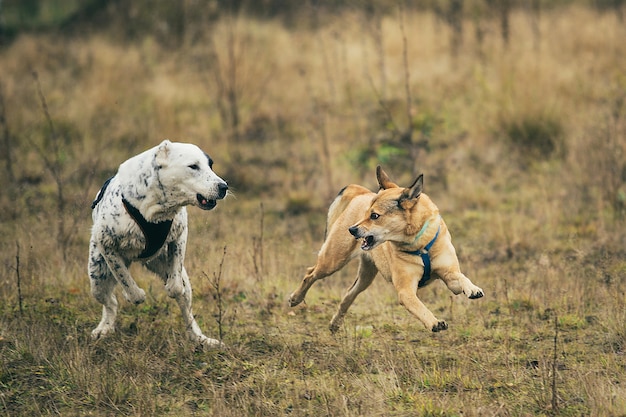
(400, 131)
(174, 21)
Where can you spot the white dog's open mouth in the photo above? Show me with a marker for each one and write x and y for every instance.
(205, 203)
(368, 242)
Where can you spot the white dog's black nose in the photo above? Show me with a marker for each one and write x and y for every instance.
(222, 187)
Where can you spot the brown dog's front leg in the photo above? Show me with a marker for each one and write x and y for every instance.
(419, 310)
(407, 289)
(459, 283)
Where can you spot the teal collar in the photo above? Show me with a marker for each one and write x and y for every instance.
(423, 230)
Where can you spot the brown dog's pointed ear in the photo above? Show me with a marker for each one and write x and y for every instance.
(414, 190)
(383, 179)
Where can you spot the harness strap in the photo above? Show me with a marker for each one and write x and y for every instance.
(101, 193)
(423, 253)
(155, 233)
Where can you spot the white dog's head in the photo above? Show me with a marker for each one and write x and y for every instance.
(185, 173)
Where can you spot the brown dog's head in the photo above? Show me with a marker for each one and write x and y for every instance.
(389, 215)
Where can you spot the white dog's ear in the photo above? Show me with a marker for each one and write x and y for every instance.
(383, 179)
(163, 153)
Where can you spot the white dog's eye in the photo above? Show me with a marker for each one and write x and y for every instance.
(374, 216)
(195, 167)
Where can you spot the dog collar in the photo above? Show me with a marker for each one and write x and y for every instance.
(423, 253)
(422, 230)
(154, 233)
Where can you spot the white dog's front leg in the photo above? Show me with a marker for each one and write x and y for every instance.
(179, 288)
(119, 269)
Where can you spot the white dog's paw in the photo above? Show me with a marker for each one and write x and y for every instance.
(136, 296)
(209, 343)
(474, 292)
(101, 332)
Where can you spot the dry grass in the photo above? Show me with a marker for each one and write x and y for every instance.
(525, 156)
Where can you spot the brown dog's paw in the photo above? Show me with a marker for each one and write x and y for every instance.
(294, 301)
(476, 294)
(442, 325)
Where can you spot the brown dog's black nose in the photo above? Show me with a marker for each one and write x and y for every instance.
(354, 231)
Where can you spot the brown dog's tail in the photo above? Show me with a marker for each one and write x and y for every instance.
(345, 196)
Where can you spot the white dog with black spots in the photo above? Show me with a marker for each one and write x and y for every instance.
(140, 215)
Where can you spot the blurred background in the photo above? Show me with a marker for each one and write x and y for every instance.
(514, 110)
(510, 108)
(296, 99)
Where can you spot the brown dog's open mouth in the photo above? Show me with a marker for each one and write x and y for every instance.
(368, 242)
(205, 203)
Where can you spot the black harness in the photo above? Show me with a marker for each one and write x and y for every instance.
(101, 193)
(154, 233)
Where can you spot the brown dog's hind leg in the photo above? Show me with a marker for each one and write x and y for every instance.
(333, 256)
(309, 279)
(365, 276)
(319, 271)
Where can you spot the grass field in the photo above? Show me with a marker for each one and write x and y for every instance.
(523, 148)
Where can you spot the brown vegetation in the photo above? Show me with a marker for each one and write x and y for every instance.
(522, 141)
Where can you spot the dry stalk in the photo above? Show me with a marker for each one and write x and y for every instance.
(225, 73)
(19, 280)
(414, 148)
(555, 400)
(6, 139)
(378, 40)
(257, 247)
(384, 107)
(407, 74)
(53, 165)
(454, 18)
(216, 283)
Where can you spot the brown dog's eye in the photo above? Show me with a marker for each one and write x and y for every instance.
(374, 216)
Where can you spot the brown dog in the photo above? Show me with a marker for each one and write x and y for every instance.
(403, 237)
